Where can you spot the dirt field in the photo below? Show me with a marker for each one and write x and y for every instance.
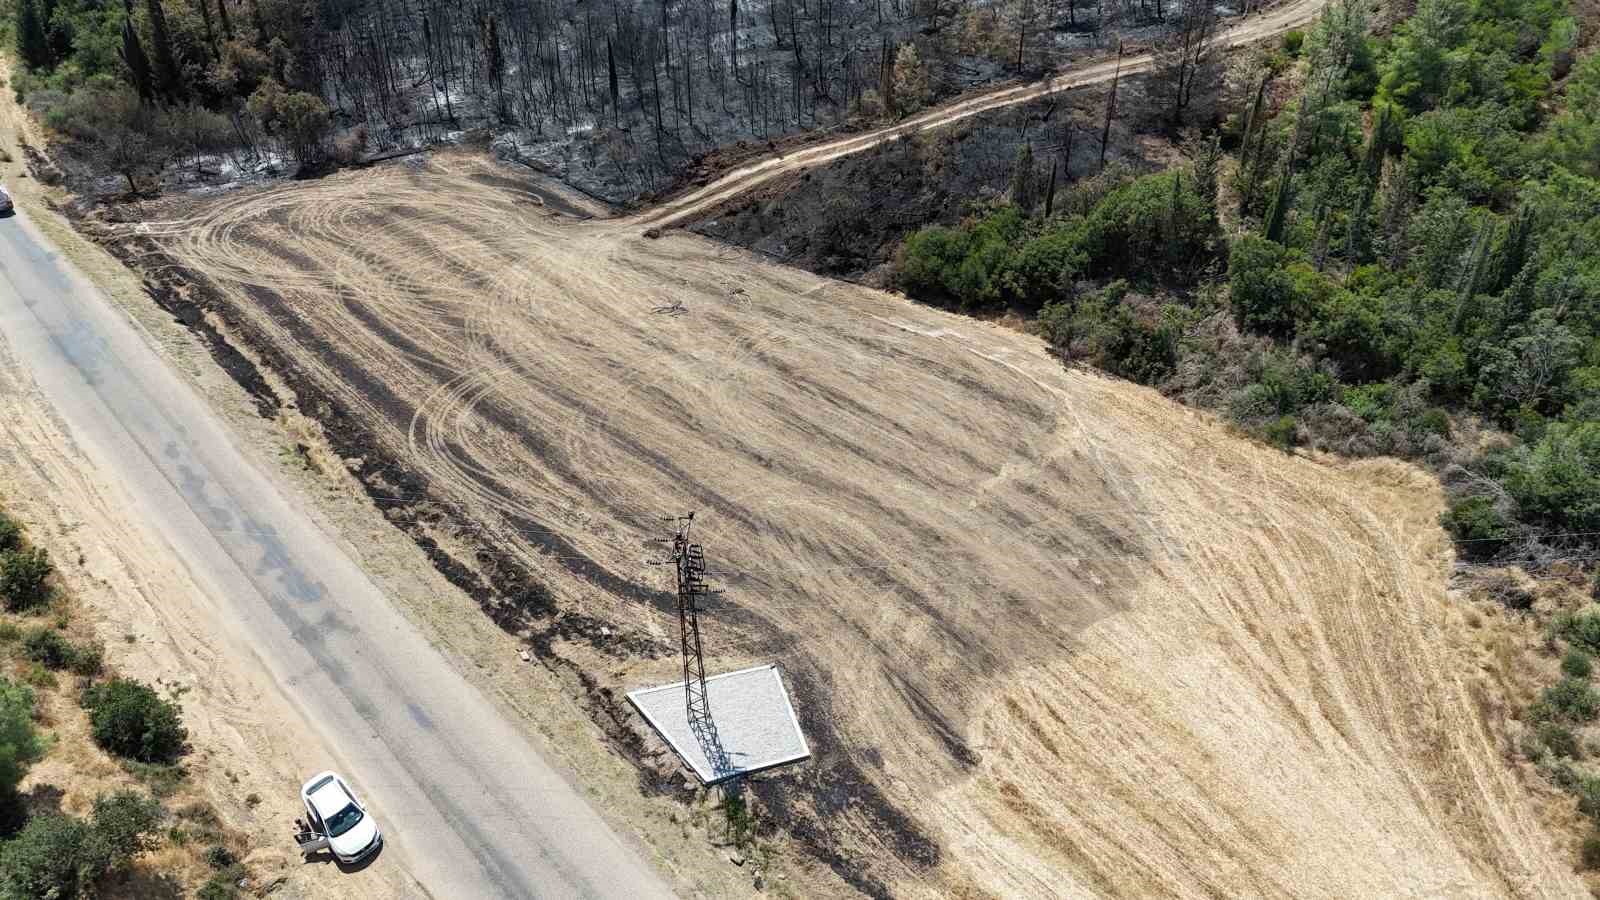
(1048, 633)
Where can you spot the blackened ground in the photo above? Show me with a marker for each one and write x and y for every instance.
(846, 219)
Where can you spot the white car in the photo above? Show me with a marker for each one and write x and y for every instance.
(339, 818)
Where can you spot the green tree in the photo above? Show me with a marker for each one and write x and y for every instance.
(1022, 180)
(168, 70)
(133, 56)
(33, 45)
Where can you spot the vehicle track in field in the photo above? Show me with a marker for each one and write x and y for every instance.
(1054, 632)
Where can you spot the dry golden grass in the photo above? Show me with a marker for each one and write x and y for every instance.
(1083, 640)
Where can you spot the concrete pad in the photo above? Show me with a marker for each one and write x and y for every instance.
(756, 725)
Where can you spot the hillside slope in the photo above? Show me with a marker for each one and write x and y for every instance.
(1050, 634)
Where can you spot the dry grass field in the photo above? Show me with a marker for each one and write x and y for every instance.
(1050, 634)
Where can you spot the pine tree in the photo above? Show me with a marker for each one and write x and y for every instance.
(1471, 278)
(33, 45)
(168, 76)
(1278, 214)
(1513, 253)
(1207, 164)
(611, 70)
(1050, 192)
(1022, 187)
(133, 56)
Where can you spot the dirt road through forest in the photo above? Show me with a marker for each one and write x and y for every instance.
(681, 209)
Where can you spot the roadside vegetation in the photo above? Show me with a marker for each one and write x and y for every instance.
(142, 827)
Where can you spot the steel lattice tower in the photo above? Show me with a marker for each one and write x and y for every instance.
(690, 562)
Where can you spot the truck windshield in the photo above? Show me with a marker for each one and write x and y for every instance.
(344, 820)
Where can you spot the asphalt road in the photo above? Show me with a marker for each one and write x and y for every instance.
(467, 804)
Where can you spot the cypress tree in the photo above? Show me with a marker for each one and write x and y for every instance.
(1022, 179)
(168, 77)
(1471, 278)
(1050, 192)
(611, 69)
(1206, 166)
(1278, 214)
(1513, 253)
(133, 56)
(33, 45)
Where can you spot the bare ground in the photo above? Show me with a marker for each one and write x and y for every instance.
(1050, 634)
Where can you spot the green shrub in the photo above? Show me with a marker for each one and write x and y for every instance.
(51, 857)
(219, 857)
(1572, 700)
(130, 719)
(1480, 529)
(1283, 433)
(1576, 663)
(1582, 629)
(126, 824)
(48, 648)
(1589, 852)
(40, 677)
(10, 632)
(1560, 740)
(10, 533)
(20, 745)
(88, 660)
(23, 579)
(1588, 791)
(1260, 287)
(1292, 42)
(223, 885)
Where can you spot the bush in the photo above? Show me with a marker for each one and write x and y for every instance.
(1576, 664)
(220, 857)
(1589, 852)
(23, 575)
(1572, 700)
(48, 647)
(1560, 740)
(129, 719)
(1480, 529)
(1588, 791)
(50, 857)
(10, 533)
(20, 745)
(1582, 629)
(88, 660)
(1283, 433)
(222, 886)
(1293, 41)
(1260, 287)
(125, 824)
(10, 633)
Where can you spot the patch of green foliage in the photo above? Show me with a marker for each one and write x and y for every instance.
(59, 856)
(129, 719)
